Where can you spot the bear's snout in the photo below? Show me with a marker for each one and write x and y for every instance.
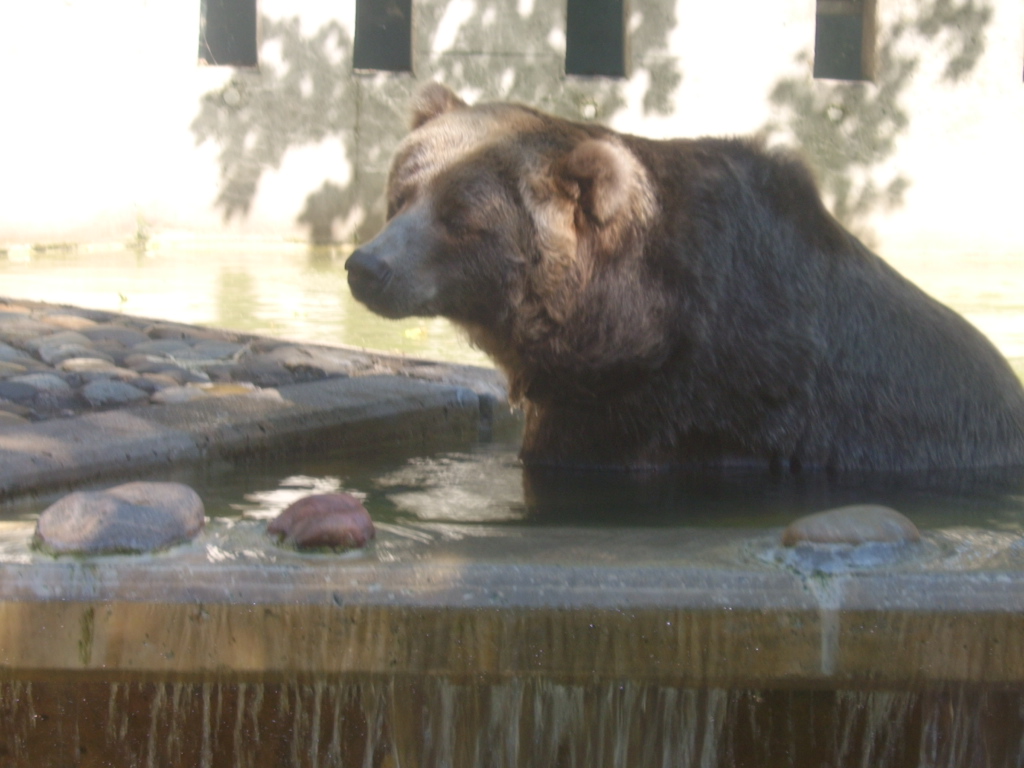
(368, 273)
(390, 274)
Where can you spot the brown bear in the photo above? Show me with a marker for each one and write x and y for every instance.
(690, 301)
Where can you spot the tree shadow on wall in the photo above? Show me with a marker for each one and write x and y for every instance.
(306, 93)
(847, 130)
(323, 207)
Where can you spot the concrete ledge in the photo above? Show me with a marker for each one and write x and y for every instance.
(370, 412)
(557, 603)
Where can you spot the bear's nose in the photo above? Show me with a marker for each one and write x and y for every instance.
(366, 270)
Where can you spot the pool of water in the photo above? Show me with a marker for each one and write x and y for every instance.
(294, 292)
(485, 485)
(484, 488)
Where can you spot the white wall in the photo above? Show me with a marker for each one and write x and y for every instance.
(97, 101)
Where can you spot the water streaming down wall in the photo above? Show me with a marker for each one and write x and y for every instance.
(422, 722)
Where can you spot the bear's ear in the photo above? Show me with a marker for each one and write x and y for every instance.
(433, 99)
(604, 178)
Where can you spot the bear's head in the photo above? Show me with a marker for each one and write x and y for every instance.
(499, 216)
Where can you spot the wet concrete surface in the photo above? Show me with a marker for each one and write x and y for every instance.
(86, 395)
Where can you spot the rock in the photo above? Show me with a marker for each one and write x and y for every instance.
(106, 392)
(123, 335)
(211, 389)
(55, 355)
(220, 373)
(177, 394)
(85, 364)
(154, 382)
(135, 517)
(16, 392)
(24, 330)
(163, 347)
(11, 369)
(6, 406)
(57, 339)
(266, 373)
(176, 331)
(10, 354)
(166, 368)
(210, 350)
(8, 419)
(312, 363)
(68, 321)
(117, 374)
(49, 404)
(335, 520)
(41, 382)
(852, 525)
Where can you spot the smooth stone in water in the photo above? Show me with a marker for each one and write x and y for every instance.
(335, 520)
(134, 517)
(852, 525)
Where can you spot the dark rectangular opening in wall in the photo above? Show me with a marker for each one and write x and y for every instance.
(844, 39)
(383, 35)
(595, 38)
(227, 33)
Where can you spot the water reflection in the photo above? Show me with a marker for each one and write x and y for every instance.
(289, 291)
(486, 486)
(480, 487)
(993, 499)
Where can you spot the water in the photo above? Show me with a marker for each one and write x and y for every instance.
(285, 291)
(395, 721)
(484, 485)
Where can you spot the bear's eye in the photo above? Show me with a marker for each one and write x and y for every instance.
(460, 221)
(401, 199)
(461, 226)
